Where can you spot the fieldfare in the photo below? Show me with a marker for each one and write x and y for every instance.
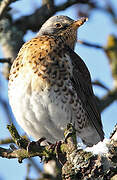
(50, 85)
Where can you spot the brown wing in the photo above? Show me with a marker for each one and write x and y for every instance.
(82, 83)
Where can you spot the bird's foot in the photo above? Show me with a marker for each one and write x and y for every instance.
(56, 148)
(35, 144)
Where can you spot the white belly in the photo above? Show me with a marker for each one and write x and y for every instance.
(39, 114)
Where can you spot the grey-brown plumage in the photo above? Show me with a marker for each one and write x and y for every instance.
(50, 85)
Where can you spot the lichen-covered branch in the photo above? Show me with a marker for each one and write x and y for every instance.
(84, 165)
(76, 163)
(22, 152)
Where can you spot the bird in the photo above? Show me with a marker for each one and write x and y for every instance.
(50, 85)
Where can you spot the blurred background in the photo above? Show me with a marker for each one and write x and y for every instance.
(97, 46)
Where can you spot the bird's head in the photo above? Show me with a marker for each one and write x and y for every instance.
(63, 27)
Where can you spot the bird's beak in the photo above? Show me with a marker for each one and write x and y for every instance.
(79, 22)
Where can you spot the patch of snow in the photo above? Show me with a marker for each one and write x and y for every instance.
(99, 148)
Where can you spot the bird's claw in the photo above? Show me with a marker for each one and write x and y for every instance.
(35, 144)
(56, 147)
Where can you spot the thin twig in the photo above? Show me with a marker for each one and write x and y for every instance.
(6, 109)
(43, 13)
(6, 60)
(100, 84)
(108, 99)
(91, 44)
(67, 4)
(6, 141)
(114, 48)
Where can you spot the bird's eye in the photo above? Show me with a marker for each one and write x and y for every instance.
(58, 25)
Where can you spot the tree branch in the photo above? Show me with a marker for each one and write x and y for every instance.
(100, 84)
(106, 49)
(35, 21)
(4, 6)
(91, 44)
(5, 106)
(108, 99)
(6, 141)
(6, 60)
(76, 163)
(11, 39)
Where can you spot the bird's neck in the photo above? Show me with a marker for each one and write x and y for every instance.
(69, 38)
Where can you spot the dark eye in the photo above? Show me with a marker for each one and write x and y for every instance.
(58, 25)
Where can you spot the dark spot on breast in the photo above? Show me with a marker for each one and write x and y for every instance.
(55, 41)
(82, 111)
(44, 76)
(36, 71)
(35, 51)
(79, 116)
(40, 39)
(48, 70)
(36, 63)
(71, 101)
(60, 83)
(16, 75)
(63, 100)
(54, 74)
(41, 58)
(56, 89)
(55, 51)
(80, 108)
(40, 55)
(71, 92)
(17, 64)
(60, 55)
(42, 42)
(64, 89)
(65, 78)
(39, 74)
(80, 125)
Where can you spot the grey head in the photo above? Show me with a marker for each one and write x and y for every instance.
(55, 24)
(62, 27)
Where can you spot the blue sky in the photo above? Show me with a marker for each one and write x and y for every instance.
(96, 30)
